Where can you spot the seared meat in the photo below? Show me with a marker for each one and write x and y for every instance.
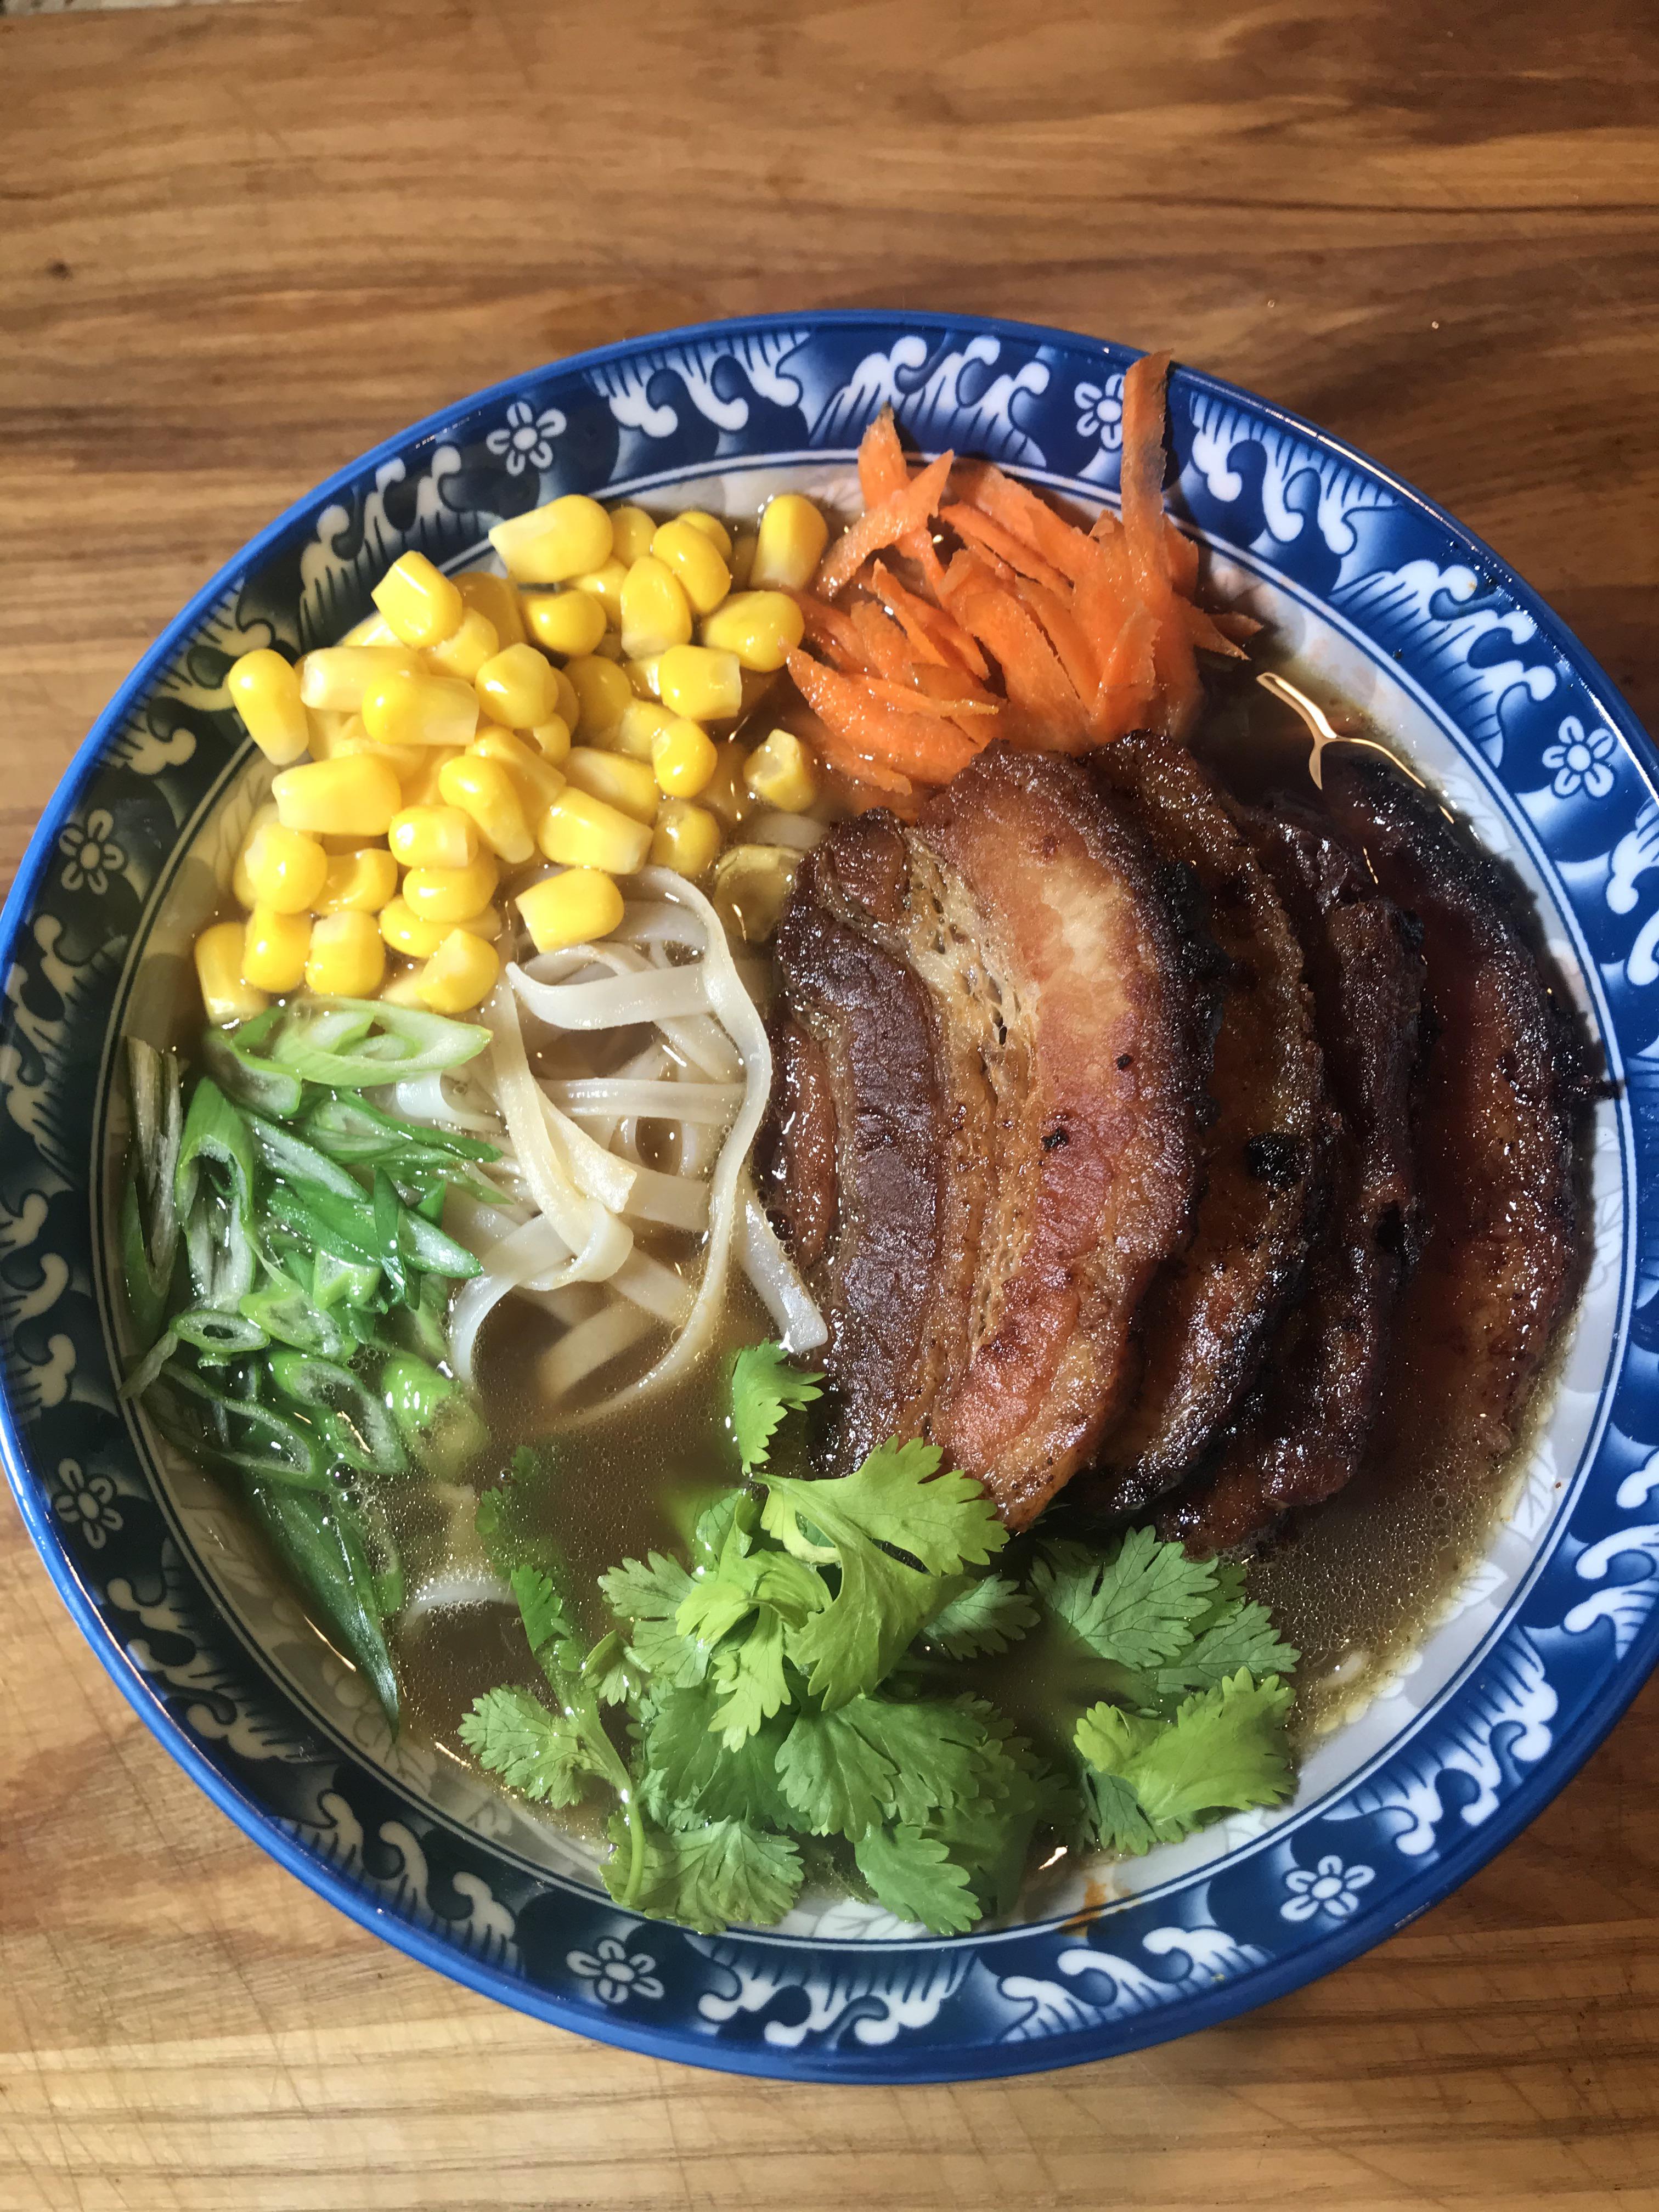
(1310, 1419)
(1506, 1082)
(1213, 1309)
(993, 1003)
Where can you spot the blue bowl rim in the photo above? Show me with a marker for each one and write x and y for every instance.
(1311, 1961)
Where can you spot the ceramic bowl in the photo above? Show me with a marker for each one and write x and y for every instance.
(1380, 598)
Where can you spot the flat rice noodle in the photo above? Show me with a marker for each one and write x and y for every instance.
(1021, 514)
(917, 744)
(1066, 634)
(980, 530)
(1048, 707)
(898, 515)
(834, 632)
(934, 632)
(886, 647)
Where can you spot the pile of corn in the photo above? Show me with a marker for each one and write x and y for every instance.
(480, 727)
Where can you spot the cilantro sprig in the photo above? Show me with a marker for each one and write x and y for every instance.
(800, 1691)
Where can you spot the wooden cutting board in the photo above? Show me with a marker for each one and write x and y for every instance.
(239, 245)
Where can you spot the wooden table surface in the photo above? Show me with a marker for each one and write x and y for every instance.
(243, 244)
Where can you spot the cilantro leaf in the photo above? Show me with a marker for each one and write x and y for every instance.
(706, 1877)
(1241, 1634)
(766, 1594)
(1119, 1822)
(539, 1604)
(1138, 1607)
(1226, 1749)
(896, 1497)
(914, 1876)
(764, 1388)
(749, 1671)
(512, 1733)
(984, 1616)
(847, 1770)
(647, 1595)
(688, 1773)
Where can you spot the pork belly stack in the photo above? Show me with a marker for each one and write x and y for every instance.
(1208, 1155)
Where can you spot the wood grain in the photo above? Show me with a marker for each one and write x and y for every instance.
(238, 246)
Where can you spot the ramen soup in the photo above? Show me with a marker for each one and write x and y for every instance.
(855, 1205)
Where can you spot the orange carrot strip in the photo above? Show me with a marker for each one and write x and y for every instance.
(1020, 511)
(1066, 634)
(978, 530)
(924, 623)
(834, 632)
(885, 648)
(915, 700)
(899, 513)
(917, 744)
(1183, 558)
(1037, 686)
(1142, 480)
(955, 684)
(1204, 631)
(882, 467)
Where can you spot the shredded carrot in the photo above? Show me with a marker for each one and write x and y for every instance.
(1049, 709)
(1017, 507)
(895, 692)
(1066, 634)
(1205, 631)
(1183, 558)
(834, 632)
(1146, 531)
(925, 624)
(978, 529)
(886, 647)
(883, 470)
(920, 745)
(878, 527)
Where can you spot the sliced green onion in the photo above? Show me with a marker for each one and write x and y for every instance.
(296, 1162)
(356, 1424)
(434, 1415)
(282, 1310)
(149, 1216)
(220, 1336)
(324, 1546)
(252, 1438)
(348, 1044)
(241, 1071)
(337, 1282)
(348, 1126)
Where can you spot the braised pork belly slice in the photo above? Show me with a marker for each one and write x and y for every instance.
(1308, 1425)
(990, 1079)
(1213, 1310)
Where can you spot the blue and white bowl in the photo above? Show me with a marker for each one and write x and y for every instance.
(1374, 591)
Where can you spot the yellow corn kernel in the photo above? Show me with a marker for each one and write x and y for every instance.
(604, 584)
(554, 543)
(609, 647)
(348, 956)
(403, 989)
(645, 676)
(275, 947)
(742, 562)
(483, 790)
(358, 883)
(631, 531)
(420, 604)
(682, 758)
(761, 628)
(687, 838)
(465, 650)
(421, 789)
(782, 772)
(460, 975)
(535, 779)
(573, 908)
(705, 684)
(565, 623)
(551, 739)
(789, 543)
(442, 836)
(496, 598)
(655, 611)
(642, 722)
(265, 692)
(285, 870)
(241, 888)
(602, 691)
(373, 629)
(450, 895)
(408, 933)
(726, 795)
(627, 785)
(226, 995)
(567, 700)
(516, 688)
(356, 796)
(704, 575)
(415, 709)
(335, 678)
(581, 831)
(350, 734)
(712, 528)
(752, 884)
